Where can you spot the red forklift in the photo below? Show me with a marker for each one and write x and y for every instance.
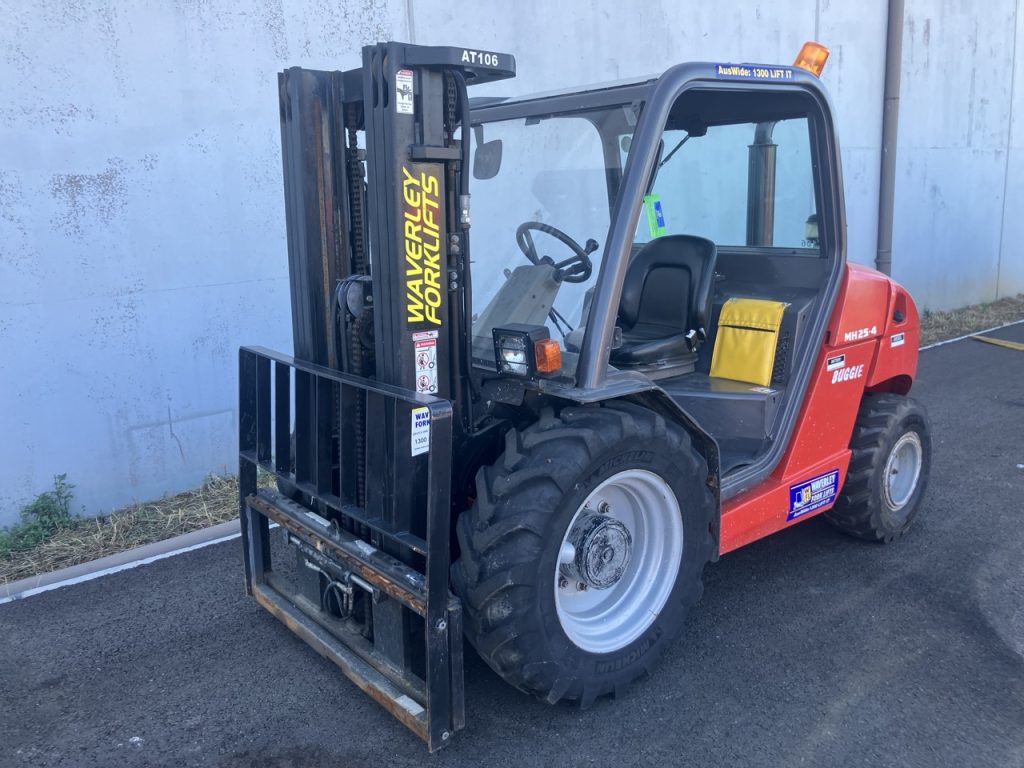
(552, 356)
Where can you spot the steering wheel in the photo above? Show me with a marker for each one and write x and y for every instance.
(575, 269)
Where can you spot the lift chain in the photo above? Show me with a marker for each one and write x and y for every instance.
(357, 207)
(451, 101)
(356, 180)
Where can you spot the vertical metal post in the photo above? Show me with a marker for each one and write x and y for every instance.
(247, 441)
(258, 542)
(324, 447)
(890, 129)
(263, 434)
(438, 535)
(407, 213)
(349, 453)
(597, 341)
(282, 418)
(305, 427)
(761, 187)
(407, 207)
(246, 487)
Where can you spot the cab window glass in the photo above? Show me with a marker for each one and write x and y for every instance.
(701, 185)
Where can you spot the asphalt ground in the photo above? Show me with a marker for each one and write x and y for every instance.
(808, 648)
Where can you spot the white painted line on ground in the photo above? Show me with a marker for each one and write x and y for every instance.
(115, 569)
(968, 335)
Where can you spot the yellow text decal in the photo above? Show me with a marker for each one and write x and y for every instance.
(422, 230)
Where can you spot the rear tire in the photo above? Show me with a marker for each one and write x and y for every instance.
(889, 468)
(605, 469)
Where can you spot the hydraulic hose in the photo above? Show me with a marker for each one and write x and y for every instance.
(467, 272)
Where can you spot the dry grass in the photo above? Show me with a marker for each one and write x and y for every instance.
(939, 326)
(84, 539)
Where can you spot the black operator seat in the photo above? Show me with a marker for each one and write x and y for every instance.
(666, 301)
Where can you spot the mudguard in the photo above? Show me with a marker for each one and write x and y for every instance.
(870, 344)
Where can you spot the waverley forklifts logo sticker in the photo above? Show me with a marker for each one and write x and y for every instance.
(422, 230)
(420, 431)
(813, 494)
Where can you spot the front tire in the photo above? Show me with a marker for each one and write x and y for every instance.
(889, 468)
(584, 550)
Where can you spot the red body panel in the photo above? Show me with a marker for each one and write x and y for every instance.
(861, 331)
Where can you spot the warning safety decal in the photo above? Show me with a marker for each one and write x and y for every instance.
(424, 345)
(403, 92)
(812, 494)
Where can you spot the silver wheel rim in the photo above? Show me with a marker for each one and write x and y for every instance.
(607, 619)
(902, 471)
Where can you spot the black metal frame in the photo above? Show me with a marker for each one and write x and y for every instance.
(432, 705)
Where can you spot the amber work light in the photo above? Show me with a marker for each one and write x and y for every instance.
(548, 355)
(812, 57)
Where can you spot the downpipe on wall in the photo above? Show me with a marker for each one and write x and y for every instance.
(890, 127)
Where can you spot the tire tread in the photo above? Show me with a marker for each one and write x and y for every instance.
(502, 534)
(857, 512)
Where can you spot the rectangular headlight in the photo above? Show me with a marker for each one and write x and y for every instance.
(515, 348)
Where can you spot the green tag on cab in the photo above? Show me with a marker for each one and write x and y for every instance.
(655, 215)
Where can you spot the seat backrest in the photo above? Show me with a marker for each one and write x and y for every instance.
(668, 283)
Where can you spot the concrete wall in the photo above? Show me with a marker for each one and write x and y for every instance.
(960, 169)
(142, 230)
(141, 214)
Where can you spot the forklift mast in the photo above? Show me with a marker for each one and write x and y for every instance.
(403, 222)
(357, 427)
